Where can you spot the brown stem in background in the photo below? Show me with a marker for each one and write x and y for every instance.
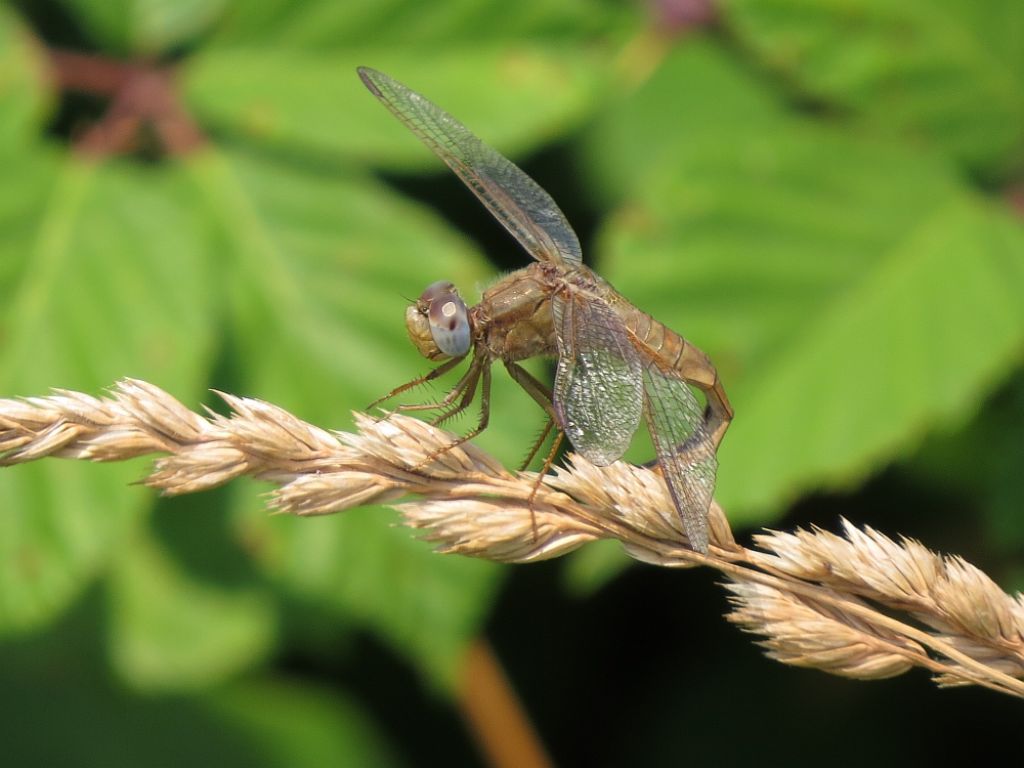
(142, 93)
(1015, 197)
(89, 73)
(494, 713)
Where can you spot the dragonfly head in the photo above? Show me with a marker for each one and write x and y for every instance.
(438, 323)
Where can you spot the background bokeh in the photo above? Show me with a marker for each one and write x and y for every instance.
(828, 197)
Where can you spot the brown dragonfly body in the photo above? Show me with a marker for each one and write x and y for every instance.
(616, 364)
(513, 322)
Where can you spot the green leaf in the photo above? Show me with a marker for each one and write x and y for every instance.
(695, 94)
(146, 26)
(321, 264)
(326, 24)
(852, 293)
(171, 631)
(296, 726)
(23, 98)
(948, 71)
(27, 187)
(112, 284)
(516, 96)
(64, 712)
(872, 371)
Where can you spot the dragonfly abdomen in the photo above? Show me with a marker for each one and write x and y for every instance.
(670, 350)
(673, 353)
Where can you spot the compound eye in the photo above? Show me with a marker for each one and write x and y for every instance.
(448, 317)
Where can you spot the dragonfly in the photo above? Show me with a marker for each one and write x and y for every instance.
(616, 365)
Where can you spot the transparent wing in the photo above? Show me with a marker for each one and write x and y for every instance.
(685, 451)
(516, 200)
(598, 393)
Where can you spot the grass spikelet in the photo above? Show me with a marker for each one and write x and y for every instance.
(860, 604)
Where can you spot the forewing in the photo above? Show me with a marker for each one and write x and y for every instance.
(598, 394)
(684, 447)
(516, 200)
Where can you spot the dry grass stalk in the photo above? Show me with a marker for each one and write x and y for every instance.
(860, 605)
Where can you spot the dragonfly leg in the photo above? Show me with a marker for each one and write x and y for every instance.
(485, 415)
(548, 461)
(542, 396)
(468, 379)
(485, 408)
(534, 388)
(437, 372)
(537, 444)
(467, 388)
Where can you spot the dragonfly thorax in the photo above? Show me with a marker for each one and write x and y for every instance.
(438, 323)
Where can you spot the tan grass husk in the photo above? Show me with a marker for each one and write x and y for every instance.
(860, 605)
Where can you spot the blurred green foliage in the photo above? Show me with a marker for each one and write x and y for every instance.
(817, 194)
